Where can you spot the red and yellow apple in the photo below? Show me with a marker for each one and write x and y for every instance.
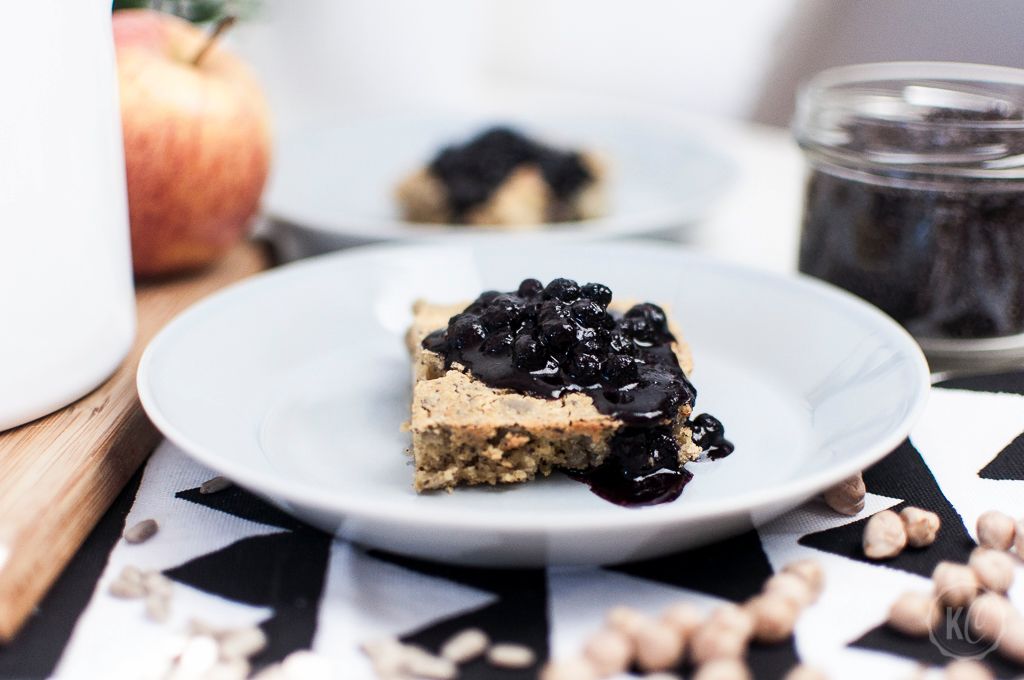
(196, 142)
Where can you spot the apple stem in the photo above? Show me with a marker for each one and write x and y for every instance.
(224, 24)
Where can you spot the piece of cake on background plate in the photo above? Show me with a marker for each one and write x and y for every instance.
(503, 179)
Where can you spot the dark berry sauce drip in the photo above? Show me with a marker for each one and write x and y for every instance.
(547, 341)
(709, 435)
(642, 468)
(471, 172)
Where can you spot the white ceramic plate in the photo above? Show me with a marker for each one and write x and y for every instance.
(295, 382)
(338, 181)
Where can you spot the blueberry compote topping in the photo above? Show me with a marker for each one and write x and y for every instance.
(472, 171)
(549, 340)
(642, 469)
(709, 435)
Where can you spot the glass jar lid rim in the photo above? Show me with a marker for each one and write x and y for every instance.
(943, 118)
(929, 81)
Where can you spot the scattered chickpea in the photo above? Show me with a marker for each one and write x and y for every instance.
(684, 617)
(811, 572)
(884, 535)
(914, 614)
(791, 587)
(658, 646)
(568, 669)
(996, 530)
(465, 646)
(420, 663)
(609, 651)
(955, 584)
(1011, 642)
(625, 619)
(1018, 538)
(968, 670)
(921, 526)
(804, 672)
(994, 569)
(510, 655)
(990, 614)
(715, 644)
(715, 641)
(723, 669)
(733, 617)
(847, 497)
(774, 617)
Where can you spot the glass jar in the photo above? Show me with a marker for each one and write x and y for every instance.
(915, 197)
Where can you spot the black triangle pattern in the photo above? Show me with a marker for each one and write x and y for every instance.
(902, 474)
(734, 569)
(884, 638)
(519, 615)
(284, 571)
(1008, 463)
(999, 382)
(239, 503)
(37, 649)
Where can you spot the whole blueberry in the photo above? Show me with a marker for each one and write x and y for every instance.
(557, 334)
(502, 312)
(706, 430)
(592, 345)
(488, 295)
(498, 343)
(554, 310)
(597, 292)
(586, 368)
(642, 451)
(620, 370)
(533, 309)
(638, 328)
(652, 314)
(585, 334)
(465, 330)
(621, 343)
(588, 313)
(530, 288)
(482, 301)
(528, 354)
(565, 290)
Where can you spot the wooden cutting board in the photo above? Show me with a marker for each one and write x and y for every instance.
(59, 474)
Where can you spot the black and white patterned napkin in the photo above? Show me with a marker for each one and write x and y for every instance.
(237, 561)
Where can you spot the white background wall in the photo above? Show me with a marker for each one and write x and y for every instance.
(327, 57)
(733, 58)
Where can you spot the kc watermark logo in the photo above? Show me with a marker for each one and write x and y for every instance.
(968, 630)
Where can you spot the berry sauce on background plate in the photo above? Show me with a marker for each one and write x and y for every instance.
(550, 340)
(473, 171)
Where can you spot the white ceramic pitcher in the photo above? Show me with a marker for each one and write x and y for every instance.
(67, 310)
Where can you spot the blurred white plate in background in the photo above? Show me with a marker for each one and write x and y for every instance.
(338, 180)
(295, 384)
